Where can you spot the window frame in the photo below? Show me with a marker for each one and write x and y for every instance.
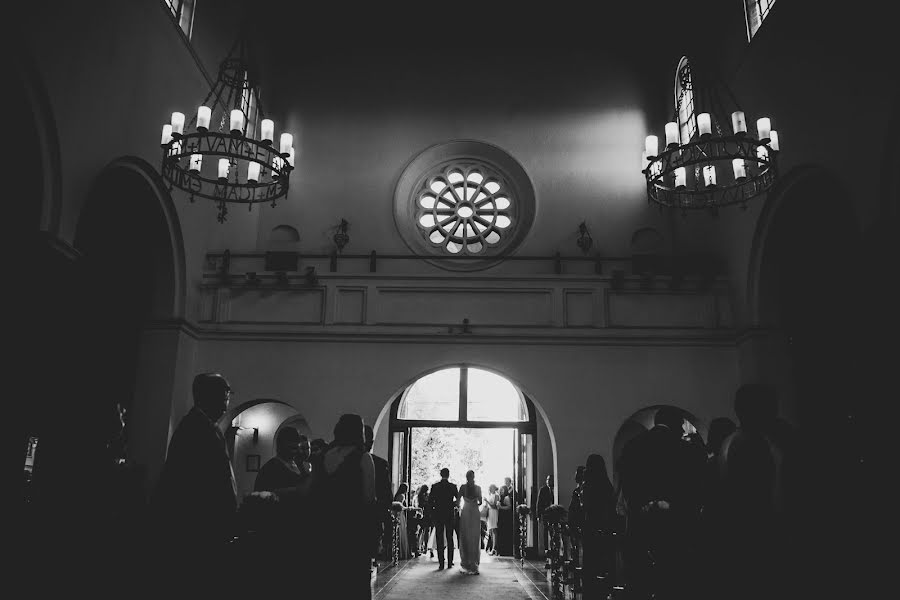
(761, 13)
(176, 9)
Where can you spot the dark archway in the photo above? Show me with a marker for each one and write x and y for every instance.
(810, 286)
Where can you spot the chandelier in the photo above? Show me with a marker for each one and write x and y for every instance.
(227, 152)
(710, 160)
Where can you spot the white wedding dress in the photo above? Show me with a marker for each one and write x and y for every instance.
(470, 530)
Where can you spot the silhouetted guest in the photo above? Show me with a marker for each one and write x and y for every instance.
(752, 476)
(598, 508)
(281, 471)
(425, 522)
(381, 518)
(544, 500)
(518, 497)
(661, 478)
(317, 446)
(576, 517)
(342, 497)
(197, 494)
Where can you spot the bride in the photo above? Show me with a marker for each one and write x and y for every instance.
(470, 525)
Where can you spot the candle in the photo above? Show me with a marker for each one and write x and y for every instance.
(709, 175)
(178, 123)
(166, 135)
(204, 114)
(287, 140)
(253, 172)
(762, 153)
(196, 162)
(276, 165)
(290, 157)
(176, 149)
(738, 122)
(237, 121)
(740, 168)
(671, 134)
(704, 123)
(223, 168)
(267, 127)
(773, 140)
(656, 168)
(680, 177)
(764, 127)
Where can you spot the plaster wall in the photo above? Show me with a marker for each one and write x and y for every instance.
(585, 392)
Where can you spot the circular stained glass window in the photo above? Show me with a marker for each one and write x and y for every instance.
(464, 200)
(465, 208)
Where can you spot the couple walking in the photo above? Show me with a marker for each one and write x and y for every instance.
(445, 499)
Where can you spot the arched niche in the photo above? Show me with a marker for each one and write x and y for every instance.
(251, 428)
(283, 238)
(641, 421)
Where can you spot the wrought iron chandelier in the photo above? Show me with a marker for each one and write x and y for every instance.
(227, 152)
(709, 159)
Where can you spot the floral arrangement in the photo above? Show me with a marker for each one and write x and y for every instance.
(555, 513)
(523, 510)
(396, 507)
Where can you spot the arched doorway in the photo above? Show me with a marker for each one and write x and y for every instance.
(639, 422)
(810, 288)
(251, 429)
(465, 417)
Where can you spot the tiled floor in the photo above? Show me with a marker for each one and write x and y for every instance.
(501, 578)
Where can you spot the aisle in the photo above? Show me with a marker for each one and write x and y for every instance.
(501, 577)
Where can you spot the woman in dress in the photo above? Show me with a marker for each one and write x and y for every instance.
(470, 525)
(403, 542)
(425, 521)
(493, 502)
(504, 545)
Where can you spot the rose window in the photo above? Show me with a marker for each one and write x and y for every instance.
(464, 209)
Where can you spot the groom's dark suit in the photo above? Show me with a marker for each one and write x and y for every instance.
(444, 499)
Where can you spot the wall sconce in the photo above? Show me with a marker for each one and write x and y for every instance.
(340, 237)
(311, 278)
(233, 431)
(584, 241)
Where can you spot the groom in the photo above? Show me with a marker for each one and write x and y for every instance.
(444, 499)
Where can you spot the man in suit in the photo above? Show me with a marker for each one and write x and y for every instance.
(661, 477)
(544, 501)
(444, 499)
(383, 497)
(197, 493)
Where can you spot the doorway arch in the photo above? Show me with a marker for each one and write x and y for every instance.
(533, 449)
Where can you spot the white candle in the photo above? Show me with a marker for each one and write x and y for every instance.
(738, 122)
(267, 127)
(764, 127)
(253, 172)
(773, 140)
(671, 134)
(740, 168)
(704, 124)
(656, 168)
(196, 162)
(176, 149)
(680, 177)
(762, 153)
(709, 175)
(237, 120)
(276, 165)
(290, 157)
(287, 140)
(204, 114)
(177, 122)
(223, 168)
(166, 135)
